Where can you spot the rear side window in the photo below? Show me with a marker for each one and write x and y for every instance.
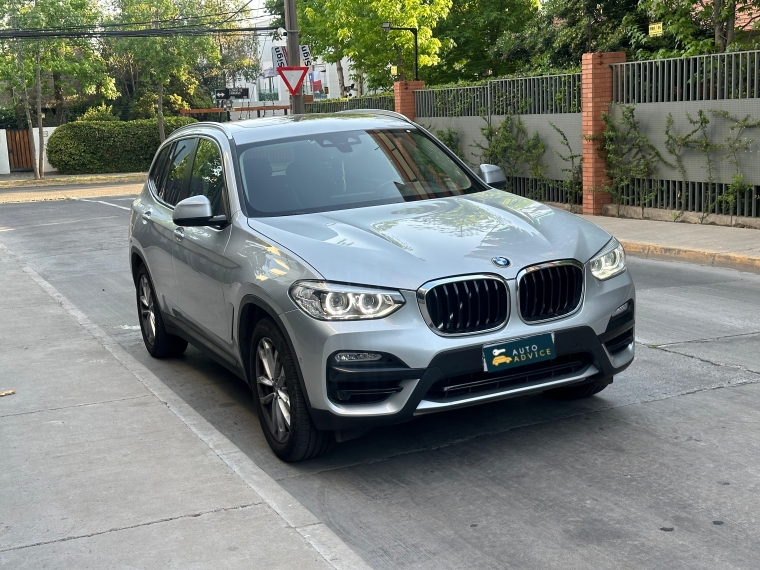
(207, 177)
(177, 171)
(159, 168)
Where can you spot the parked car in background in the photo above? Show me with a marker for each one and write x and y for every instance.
(355, 273)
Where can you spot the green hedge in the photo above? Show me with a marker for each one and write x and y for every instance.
(95, 147)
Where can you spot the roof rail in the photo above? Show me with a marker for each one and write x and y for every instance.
(377, 112)
(201, 123)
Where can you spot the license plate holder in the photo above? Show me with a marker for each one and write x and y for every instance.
(513, 353)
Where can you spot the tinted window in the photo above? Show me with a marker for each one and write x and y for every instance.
(335, 171)
(159, 167)
(207, 177)
(179, 161)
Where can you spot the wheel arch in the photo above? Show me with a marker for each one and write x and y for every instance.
(135, 261)
(252, 310)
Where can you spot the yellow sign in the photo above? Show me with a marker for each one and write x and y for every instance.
(394, 70)
(655, 29)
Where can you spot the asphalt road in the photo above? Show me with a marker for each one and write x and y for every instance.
(661, 470)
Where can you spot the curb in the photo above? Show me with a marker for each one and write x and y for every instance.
(700, 256)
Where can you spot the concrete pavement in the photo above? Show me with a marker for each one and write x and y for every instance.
(104, 466)
(718, 246)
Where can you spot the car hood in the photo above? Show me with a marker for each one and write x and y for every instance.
(405, 245)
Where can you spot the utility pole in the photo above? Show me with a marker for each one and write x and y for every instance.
(294, 52)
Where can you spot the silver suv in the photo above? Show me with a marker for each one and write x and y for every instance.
(355, 273)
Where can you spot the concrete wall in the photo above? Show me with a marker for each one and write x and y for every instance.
(4, 160)
(652, 119)
(470, 136)
(5, 167)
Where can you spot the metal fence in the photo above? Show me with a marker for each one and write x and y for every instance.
(698, 78)
(525, 95)
(700, 197)
(546, 190)
(386, 102)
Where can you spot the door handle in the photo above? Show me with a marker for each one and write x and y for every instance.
(179, 233)
(146, 215)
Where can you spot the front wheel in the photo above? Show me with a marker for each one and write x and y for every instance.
(280, 401)
(579, 391)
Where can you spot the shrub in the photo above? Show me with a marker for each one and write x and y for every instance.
(95, 147)
(99, 113)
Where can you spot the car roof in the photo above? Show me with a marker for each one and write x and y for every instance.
(279, 127)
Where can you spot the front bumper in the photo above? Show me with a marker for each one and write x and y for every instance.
(589, 345)
(581, 352)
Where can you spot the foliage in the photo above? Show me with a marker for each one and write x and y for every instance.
(467, 35)
(101, 113)
(559, 32)
(450, 138)
(693, 27)
(629, 156)
(89, 147)
(573, 184)
(510, 147)
(337, 29)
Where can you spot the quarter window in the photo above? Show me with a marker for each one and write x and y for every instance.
(159, 168)
(179, 161)
(207, 178)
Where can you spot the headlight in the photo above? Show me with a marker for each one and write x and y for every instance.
(609, 262)
(334, 302)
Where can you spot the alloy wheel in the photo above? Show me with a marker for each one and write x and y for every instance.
(147, 310)
(272, 387)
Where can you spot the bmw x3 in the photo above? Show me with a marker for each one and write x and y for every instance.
(356, 273)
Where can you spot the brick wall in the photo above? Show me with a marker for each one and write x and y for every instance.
(404, 94)
(596, 97)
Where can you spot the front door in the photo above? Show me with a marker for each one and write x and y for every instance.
(168, 179)
(199, 263)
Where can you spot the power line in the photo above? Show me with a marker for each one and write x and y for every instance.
(147, 32)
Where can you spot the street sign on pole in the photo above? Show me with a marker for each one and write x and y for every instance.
(305, 55)
(293, 77)
(222, 94)
(280, 56)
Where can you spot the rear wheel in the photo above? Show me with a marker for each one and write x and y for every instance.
(579, 391)
(159, 343)
(280, 401)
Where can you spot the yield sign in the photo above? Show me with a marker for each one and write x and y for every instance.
(293, 77)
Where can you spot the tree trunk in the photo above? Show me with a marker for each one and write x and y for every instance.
(40, 132)
(58, 94)
(341, 79)
(160, 115)
(731, 22)
(28, 114)
(718, 26)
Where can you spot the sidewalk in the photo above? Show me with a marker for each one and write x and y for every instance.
(719, 246)
(26, 179)
(103, 466)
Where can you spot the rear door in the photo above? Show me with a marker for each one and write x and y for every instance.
(167, 184)
(199, 264)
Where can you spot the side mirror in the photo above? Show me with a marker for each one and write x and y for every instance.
(493, 176)
(196, 211)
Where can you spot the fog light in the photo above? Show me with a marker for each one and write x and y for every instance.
(357, 356)
(621, 309)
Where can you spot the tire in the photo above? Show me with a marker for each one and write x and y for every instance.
(579, 391)
(159, 343)
(280, 400)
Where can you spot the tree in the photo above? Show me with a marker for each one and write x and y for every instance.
(158, 59)
(692, 27)
(31, 66)
(351, 28)
(561, 31)
(468, 35)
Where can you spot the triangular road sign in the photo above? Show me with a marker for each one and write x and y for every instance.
(293, 77)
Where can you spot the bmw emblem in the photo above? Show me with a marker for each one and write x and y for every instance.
(500, 261)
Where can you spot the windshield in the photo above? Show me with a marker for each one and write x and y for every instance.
(335, 171)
